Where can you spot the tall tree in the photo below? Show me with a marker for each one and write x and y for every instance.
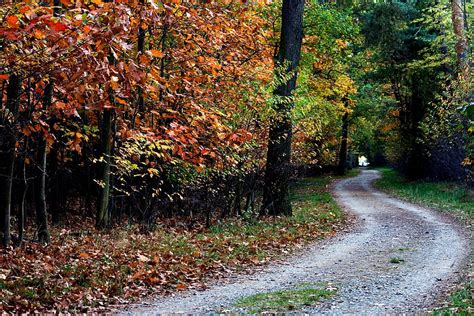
(7, 153)
(343, 150)
(461, 42)
(41, 207)
(105, 151)
(276, 194)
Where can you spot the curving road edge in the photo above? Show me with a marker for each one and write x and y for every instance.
(398, 258)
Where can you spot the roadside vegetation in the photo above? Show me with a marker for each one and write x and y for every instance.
(461, 302)
(447, 196)
(451, 197)
(97, 269)
(286, 300)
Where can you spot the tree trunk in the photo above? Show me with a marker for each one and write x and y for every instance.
(7, 154)
(276, 194)
(103, 218)
(141, 51)
(41, 208)
(461, 42)
(21, 215)
(341, 169)
(105, 152)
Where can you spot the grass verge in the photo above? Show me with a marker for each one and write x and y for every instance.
(447, 196)
(86, 270)
(284, 300)
(460, 302)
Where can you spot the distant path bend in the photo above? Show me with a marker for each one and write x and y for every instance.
(433, 248)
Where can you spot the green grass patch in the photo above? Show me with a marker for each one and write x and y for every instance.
(460, 302)
(448, 196)
(396, 260)
(284, 300)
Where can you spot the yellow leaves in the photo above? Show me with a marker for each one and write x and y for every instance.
(389, 127)
(156, 53)
(38, 34)
(152, 172)
(394, 112)
(341, 44)
(344, 85)
(467, 162)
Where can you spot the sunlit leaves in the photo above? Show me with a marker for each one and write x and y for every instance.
(12, 21)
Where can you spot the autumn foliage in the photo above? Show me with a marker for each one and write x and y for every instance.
(126, 124)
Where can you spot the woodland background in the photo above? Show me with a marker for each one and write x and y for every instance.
(133, 116)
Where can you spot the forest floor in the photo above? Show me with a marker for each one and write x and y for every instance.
(397, 258)
(85, 270)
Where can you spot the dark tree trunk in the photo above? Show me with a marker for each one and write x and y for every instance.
(21, 215)
(103, 218)
(276, 194)
(341, 169)
(41, 208)
(7, 154)
(141, 50)
(106, 139)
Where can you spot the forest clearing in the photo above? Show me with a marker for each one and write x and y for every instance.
(230, 156)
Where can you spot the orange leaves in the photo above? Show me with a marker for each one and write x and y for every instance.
(181, 286)
(195, 86)
(156, 53)
(84, 255)
(57, 26)
(12, 21)
(114, 83)
(124, 264)
(4, 77)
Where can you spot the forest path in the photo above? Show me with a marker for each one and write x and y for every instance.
(358, 263)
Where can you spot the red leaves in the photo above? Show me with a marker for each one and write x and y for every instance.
(12, 21)
(57, 26)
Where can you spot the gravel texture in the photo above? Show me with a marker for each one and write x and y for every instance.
(433, 248)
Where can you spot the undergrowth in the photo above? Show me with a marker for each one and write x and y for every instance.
(86, 270)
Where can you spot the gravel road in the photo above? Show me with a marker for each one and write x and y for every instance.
(358, 263)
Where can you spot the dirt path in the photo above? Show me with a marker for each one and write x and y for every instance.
(433, 248)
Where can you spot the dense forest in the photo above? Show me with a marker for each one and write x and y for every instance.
(145, 115)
